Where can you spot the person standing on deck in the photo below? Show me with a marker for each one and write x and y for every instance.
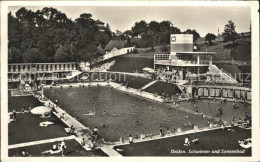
(161, 131)
(130, 139)
(56, 101)
(62, 147)
(14, 115)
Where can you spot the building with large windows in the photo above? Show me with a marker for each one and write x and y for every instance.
(182, 59)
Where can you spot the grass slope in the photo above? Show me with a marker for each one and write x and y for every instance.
(131, 64)
(242, 50)
(163, 87)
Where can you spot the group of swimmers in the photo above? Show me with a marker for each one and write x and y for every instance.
(219, 111)
(246, 121)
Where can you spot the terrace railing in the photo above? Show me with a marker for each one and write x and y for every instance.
(41, 67)
(182, 63)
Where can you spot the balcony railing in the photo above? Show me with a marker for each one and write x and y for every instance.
(181, 63)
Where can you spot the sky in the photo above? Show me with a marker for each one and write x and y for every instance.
(204, 20)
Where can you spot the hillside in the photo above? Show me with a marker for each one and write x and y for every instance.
(241, 51)
(131, 64)
(135, 62)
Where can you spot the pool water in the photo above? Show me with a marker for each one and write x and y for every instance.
(128, 109)
(209, 107)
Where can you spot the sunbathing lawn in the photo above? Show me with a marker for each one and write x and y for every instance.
(26, 128)
(133, 81)
(73, 149)
(163, 87)
(129, 109)
(209, 141)
(131, 64)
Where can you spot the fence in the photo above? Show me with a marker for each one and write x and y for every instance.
(118, 53)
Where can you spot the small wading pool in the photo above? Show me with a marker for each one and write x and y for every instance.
(128, 109)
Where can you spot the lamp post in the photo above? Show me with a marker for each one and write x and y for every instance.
(42, 91)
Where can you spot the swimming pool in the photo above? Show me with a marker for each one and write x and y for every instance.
(128, 109)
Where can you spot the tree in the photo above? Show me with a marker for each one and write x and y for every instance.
(210, 37)
(108, 27)
(14, 32)
(149, 39)
(88, 53)
(139, 28)
(102, 38)
(230, 33)
(118, 33)
(195, 34)
(25, 16)
(33, 55)
(14, 55)
(165, 26)
(128, 33)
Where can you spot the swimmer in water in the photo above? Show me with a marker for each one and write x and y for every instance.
(114, 114)
(186, 116)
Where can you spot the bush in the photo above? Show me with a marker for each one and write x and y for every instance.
(135, 51)
(147, 50)
(164, 48)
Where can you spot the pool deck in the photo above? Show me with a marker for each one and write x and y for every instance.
(156, 137)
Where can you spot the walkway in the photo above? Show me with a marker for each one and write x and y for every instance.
(40, 142)
(136, 92)
(110, 151)
(157, 137)
(80, 130)
(148, 85)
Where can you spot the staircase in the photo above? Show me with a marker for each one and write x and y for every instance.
(229, 78)
(73, 74)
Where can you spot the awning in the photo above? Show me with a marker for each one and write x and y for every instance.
(149, 70)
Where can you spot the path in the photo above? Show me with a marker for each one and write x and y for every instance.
(40, 142)
(110, 151)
